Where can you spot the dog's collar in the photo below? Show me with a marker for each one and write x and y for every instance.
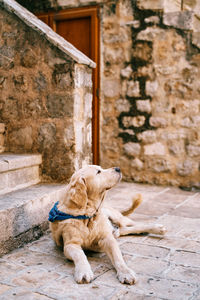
(57, 215)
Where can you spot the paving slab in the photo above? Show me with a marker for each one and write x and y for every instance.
(167, 267)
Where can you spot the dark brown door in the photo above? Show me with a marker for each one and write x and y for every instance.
(80, 27)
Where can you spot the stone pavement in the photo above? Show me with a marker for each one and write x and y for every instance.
(167, 267)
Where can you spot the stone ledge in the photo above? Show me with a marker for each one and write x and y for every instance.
(10, 162)
(32, 21)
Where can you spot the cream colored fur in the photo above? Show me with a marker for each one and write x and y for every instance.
(84, 196)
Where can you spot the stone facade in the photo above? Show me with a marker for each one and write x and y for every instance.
(150, 96)
(46, 98)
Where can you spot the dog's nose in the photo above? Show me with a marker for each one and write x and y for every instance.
(117, 170)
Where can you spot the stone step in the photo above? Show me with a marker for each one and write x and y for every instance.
(18, 171)
(24, 214)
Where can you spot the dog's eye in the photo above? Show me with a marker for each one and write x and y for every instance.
(99, 171)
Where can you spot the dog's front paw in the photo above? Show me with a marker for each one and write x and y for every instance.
(159, 229)
(84, 275)
(127, 276)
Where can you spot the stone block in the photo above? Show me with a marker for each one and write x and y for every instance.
(133, 89)
(176, 148)
(122, 105)
(158, 122)
(62, 76)
(135, 24)
(59, 106)
(196, 39)
(155, 149)
(137, 121)
(185, 168)
(152, 19)
(193, 150)
(47, 136)
(142, 51)
(18, 171)
(151, 88)
(28, 58)
(111, 88)
(181, 20)
(21, 138)
(150, 33)
(147, 137)
(137, 164)
(132, 149)
(151, 4)
(143, 105)
(113, 55)
(40, 82)
(83, 76)
(159, 165)
(127, 72)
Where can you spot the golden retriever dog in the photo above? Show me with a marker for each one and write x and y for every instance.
(81, 221)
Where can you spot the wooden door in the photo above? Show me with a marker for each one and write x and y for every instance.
(80, 27)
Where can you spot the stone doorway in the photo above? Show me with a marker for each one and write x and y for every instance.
(80, 27)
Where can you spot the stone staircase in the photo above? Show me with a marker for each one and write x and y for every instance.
(24, 200)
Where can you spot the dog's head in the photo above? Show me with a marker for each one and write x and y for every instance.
(87, 188)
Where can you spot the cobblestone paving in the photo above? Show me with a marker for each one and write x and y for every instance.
(167, 267)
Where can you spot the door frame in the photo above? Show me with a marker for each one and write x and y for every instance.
(82, 12)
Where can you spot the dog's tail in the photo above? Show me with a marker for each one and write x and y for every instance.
(137, 199)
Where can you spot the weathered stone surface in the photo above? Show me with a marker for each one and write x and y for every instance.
(137, 164)
(143, 105)
(159, 165)
(22, 138)
(193, 150)
(185, 168)
(147, 137)
(155, 149)
(113, 56)
(152, 19)
(111, 88)
(151, 87)
(59, 106)
(158, 122)
(150, 4)
(133, 89)
(133, 121)
(19, 207)
(126, 73)
(142, 52)
(122, 105)
(132, 149)
(28, 58)
(196, 39)
(181, 20)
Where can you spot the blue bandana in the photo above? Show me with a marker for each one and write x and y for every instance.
(57, 215)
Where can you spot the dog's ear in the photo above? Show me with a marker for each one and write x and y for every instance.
(77, 194)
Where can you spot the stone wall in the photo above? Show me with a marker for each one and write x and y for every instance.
(45, 99)
(150, 96)
(150, 110)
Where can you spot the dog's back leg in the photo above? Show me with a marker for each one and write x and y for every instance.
(142, 228)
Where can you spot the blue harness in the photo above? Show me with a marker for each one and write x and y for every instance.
(57, 215)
